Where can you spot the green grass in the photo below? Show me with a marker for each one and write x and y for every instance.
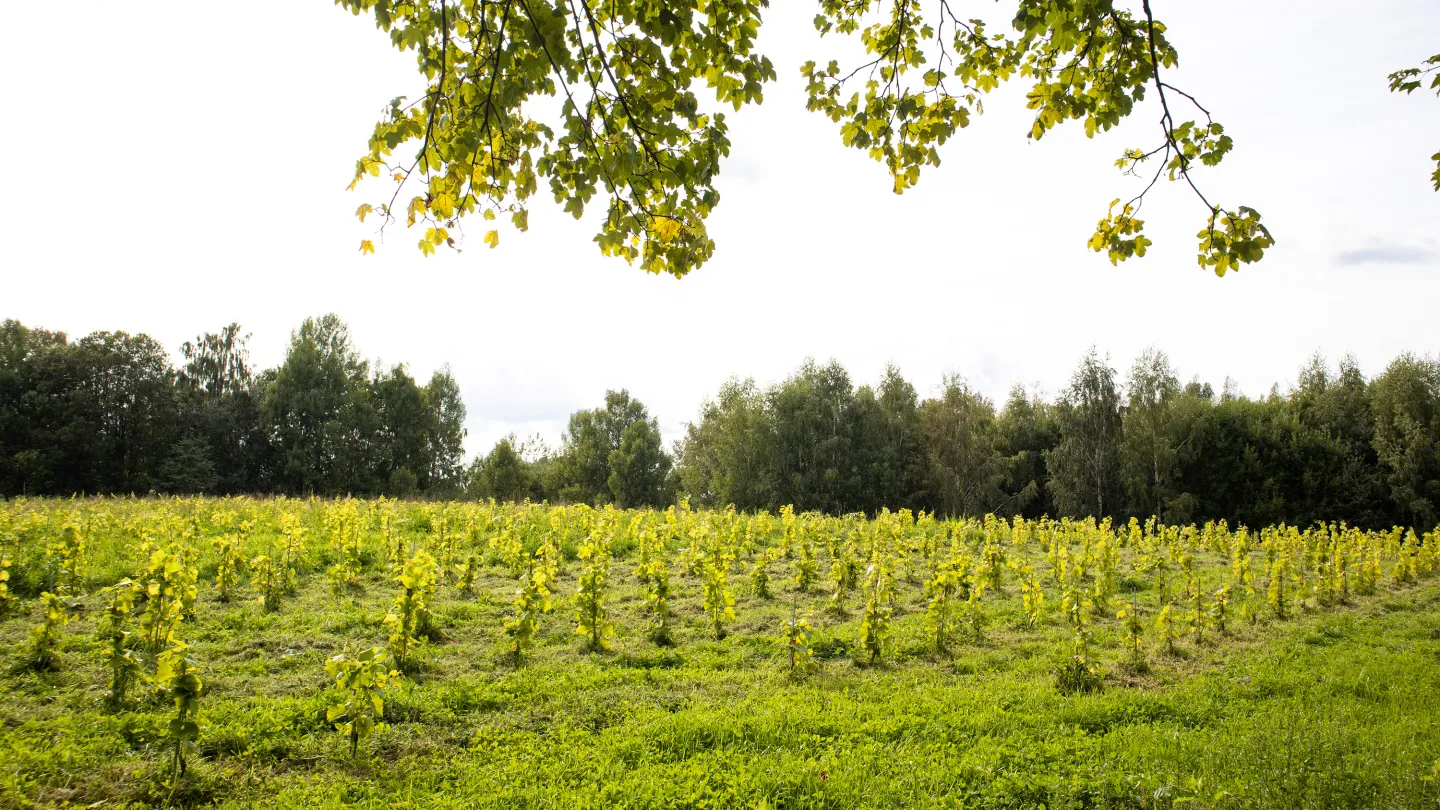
(1330, 709)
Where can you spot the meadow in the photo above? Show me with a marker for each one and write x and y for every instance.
(342, 653)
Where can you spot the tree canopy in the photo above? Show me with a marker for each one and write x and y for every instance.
(601, 100)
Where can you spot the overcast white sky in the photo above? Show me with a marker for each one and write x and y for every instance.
(171, 166)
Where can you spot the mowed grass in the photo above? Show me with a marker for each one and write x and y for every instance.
(1329, 709)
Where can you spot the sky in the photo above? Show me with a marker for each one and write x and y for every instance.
(170, 167)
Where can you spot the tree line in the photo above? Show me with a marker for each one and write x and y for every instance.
(1336, 446)
(109, 414)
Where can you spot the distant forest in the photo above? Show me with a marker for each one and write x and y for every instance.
(109, 413)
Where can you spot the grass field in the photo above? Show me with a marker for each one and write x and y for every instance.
(1332, 706)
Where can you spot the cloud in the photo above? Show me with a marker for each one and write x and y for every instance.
(1386, 254)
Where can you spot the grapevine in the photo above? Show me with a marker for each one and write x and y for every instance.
(797, 639)
(532, 600)
(178, 677)
(875, 624)
(360, 682)
(121, 659)
(592, 619)
(45, 637)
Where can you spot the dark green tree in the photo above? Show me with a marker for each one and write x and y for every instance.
(1335, 431)
(39, 453)
(815, 468)
(639, 467)
(1085, 466)
(221, 408)
(592, 442)
(1154, 440)
(964, 473)
(899, 468)
(315, 407)
(501, 474)
(99, 415)
(217, 363)
(128, 389)
(445, 438)
(188, 470)
(727, 457)
(1026, 433)
(1406, 404)
(404, 419)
